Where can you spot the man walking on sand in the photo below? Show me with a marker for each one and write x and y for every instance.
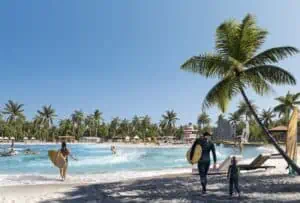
(204, 162)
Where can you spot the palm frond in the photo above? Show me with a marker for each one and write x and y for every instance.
(273, 55)
(272, 74)
(226, 37)
(209, 65)
(222, 93)
(251, 37)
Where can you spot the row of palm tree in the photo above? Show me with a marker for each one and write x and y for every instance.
(238, 65)
(46, 125)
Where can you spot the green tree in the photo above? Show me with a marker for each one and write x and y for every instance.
(238, 66)
(13, 110)
(286, 105)
(203, 120)
(97, 118)
(78, 120)
(169, 121)
(267, 117)
(46, 116)
(244, 110)
(114, 127)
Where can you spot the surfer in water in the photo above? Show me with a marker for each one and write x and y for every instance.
(66, 153)
(113, 149)
(204, 162)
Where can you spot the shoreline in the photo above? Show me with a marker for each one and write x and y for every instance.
(273, 185)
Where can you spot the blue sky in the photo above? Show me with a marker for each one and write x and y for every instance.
(124, 57)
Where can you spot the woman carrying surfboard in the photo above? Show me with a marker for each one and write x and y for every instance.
(65, 153)
(203, 164)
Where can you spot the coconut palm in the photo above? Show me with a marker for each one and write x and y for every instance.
(203, 120)
(234, 118)
(47, 114)
(13, 110)
(77, 119)
(97, 118)
(238, 66)
(267, 116)
(114, 126)
(287, 104)
(244, 110)
(169, 121)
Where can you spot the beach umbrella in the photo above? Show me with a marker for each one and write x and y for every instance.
(25, 138)
(33, 138)
(1, 138)
(12, 138)
(136, 137)
(127, 138)
(6, 138)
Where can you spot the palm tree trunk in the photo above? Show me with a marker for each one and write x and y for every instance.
(290, 162)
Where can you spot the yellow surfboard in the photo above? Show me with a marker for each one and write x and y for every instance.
(57, 158)
(196, 156)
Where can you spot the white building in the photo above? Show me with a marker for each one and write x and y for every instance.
(90, 139)
(190, 134)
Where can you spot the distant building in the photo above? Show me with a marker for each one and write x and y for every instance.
(189, 133)
(90, 139)
(224, 131)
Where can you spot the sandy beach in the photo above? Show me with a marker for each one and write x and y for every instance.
(272, 185)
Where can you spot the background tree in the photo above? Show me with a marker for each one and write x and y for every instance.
(286, 105)
(203, 121)
(267, 117)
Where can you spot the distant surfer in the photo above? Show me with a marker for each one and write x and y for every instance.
(113, 149)
(66, 153)
(204, 162)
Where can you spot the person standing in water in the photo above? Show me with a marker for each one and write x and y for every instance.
(204, 162)
(65, 152)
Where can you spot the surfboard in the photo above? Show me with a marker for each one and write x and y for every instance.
(196, 156)
(57, 158)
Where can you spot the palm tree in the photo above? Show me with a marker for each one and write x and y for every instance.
(97, 118)
(238, 66)
(114, 126)
(169, 121)
(243, 109)
(145, 126)
(267, 116)
(203, 120)
(47, 114)
(77, 119)
(14, 110)
(234, 118)
(287, 104)
(136, 124)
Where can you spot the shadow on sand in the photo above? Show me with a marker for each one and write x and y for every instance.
(184, 188)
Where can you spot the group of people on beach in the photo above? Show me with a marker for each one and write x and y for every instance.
(204, 163)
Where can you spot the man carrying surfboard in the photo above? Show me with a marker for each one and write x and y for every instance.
(204, 162)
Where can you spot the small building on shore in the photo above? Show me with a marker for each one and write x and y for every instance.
(189, 133)
(90, 139)
(280, 133)
(69, 139)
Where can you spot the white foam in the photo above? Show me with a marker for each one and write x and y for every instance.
(36, 179)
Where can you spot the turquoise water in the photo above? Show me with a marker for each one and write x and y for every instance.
(98, 159)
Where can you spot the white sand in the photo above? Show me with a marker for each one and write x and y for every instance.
(273, 185)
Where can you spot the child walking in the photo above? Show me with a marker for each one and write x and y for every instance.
(233, 175)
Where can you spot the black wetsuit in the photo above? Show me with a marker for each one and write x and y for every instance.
(233, 174)
(204, 162)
